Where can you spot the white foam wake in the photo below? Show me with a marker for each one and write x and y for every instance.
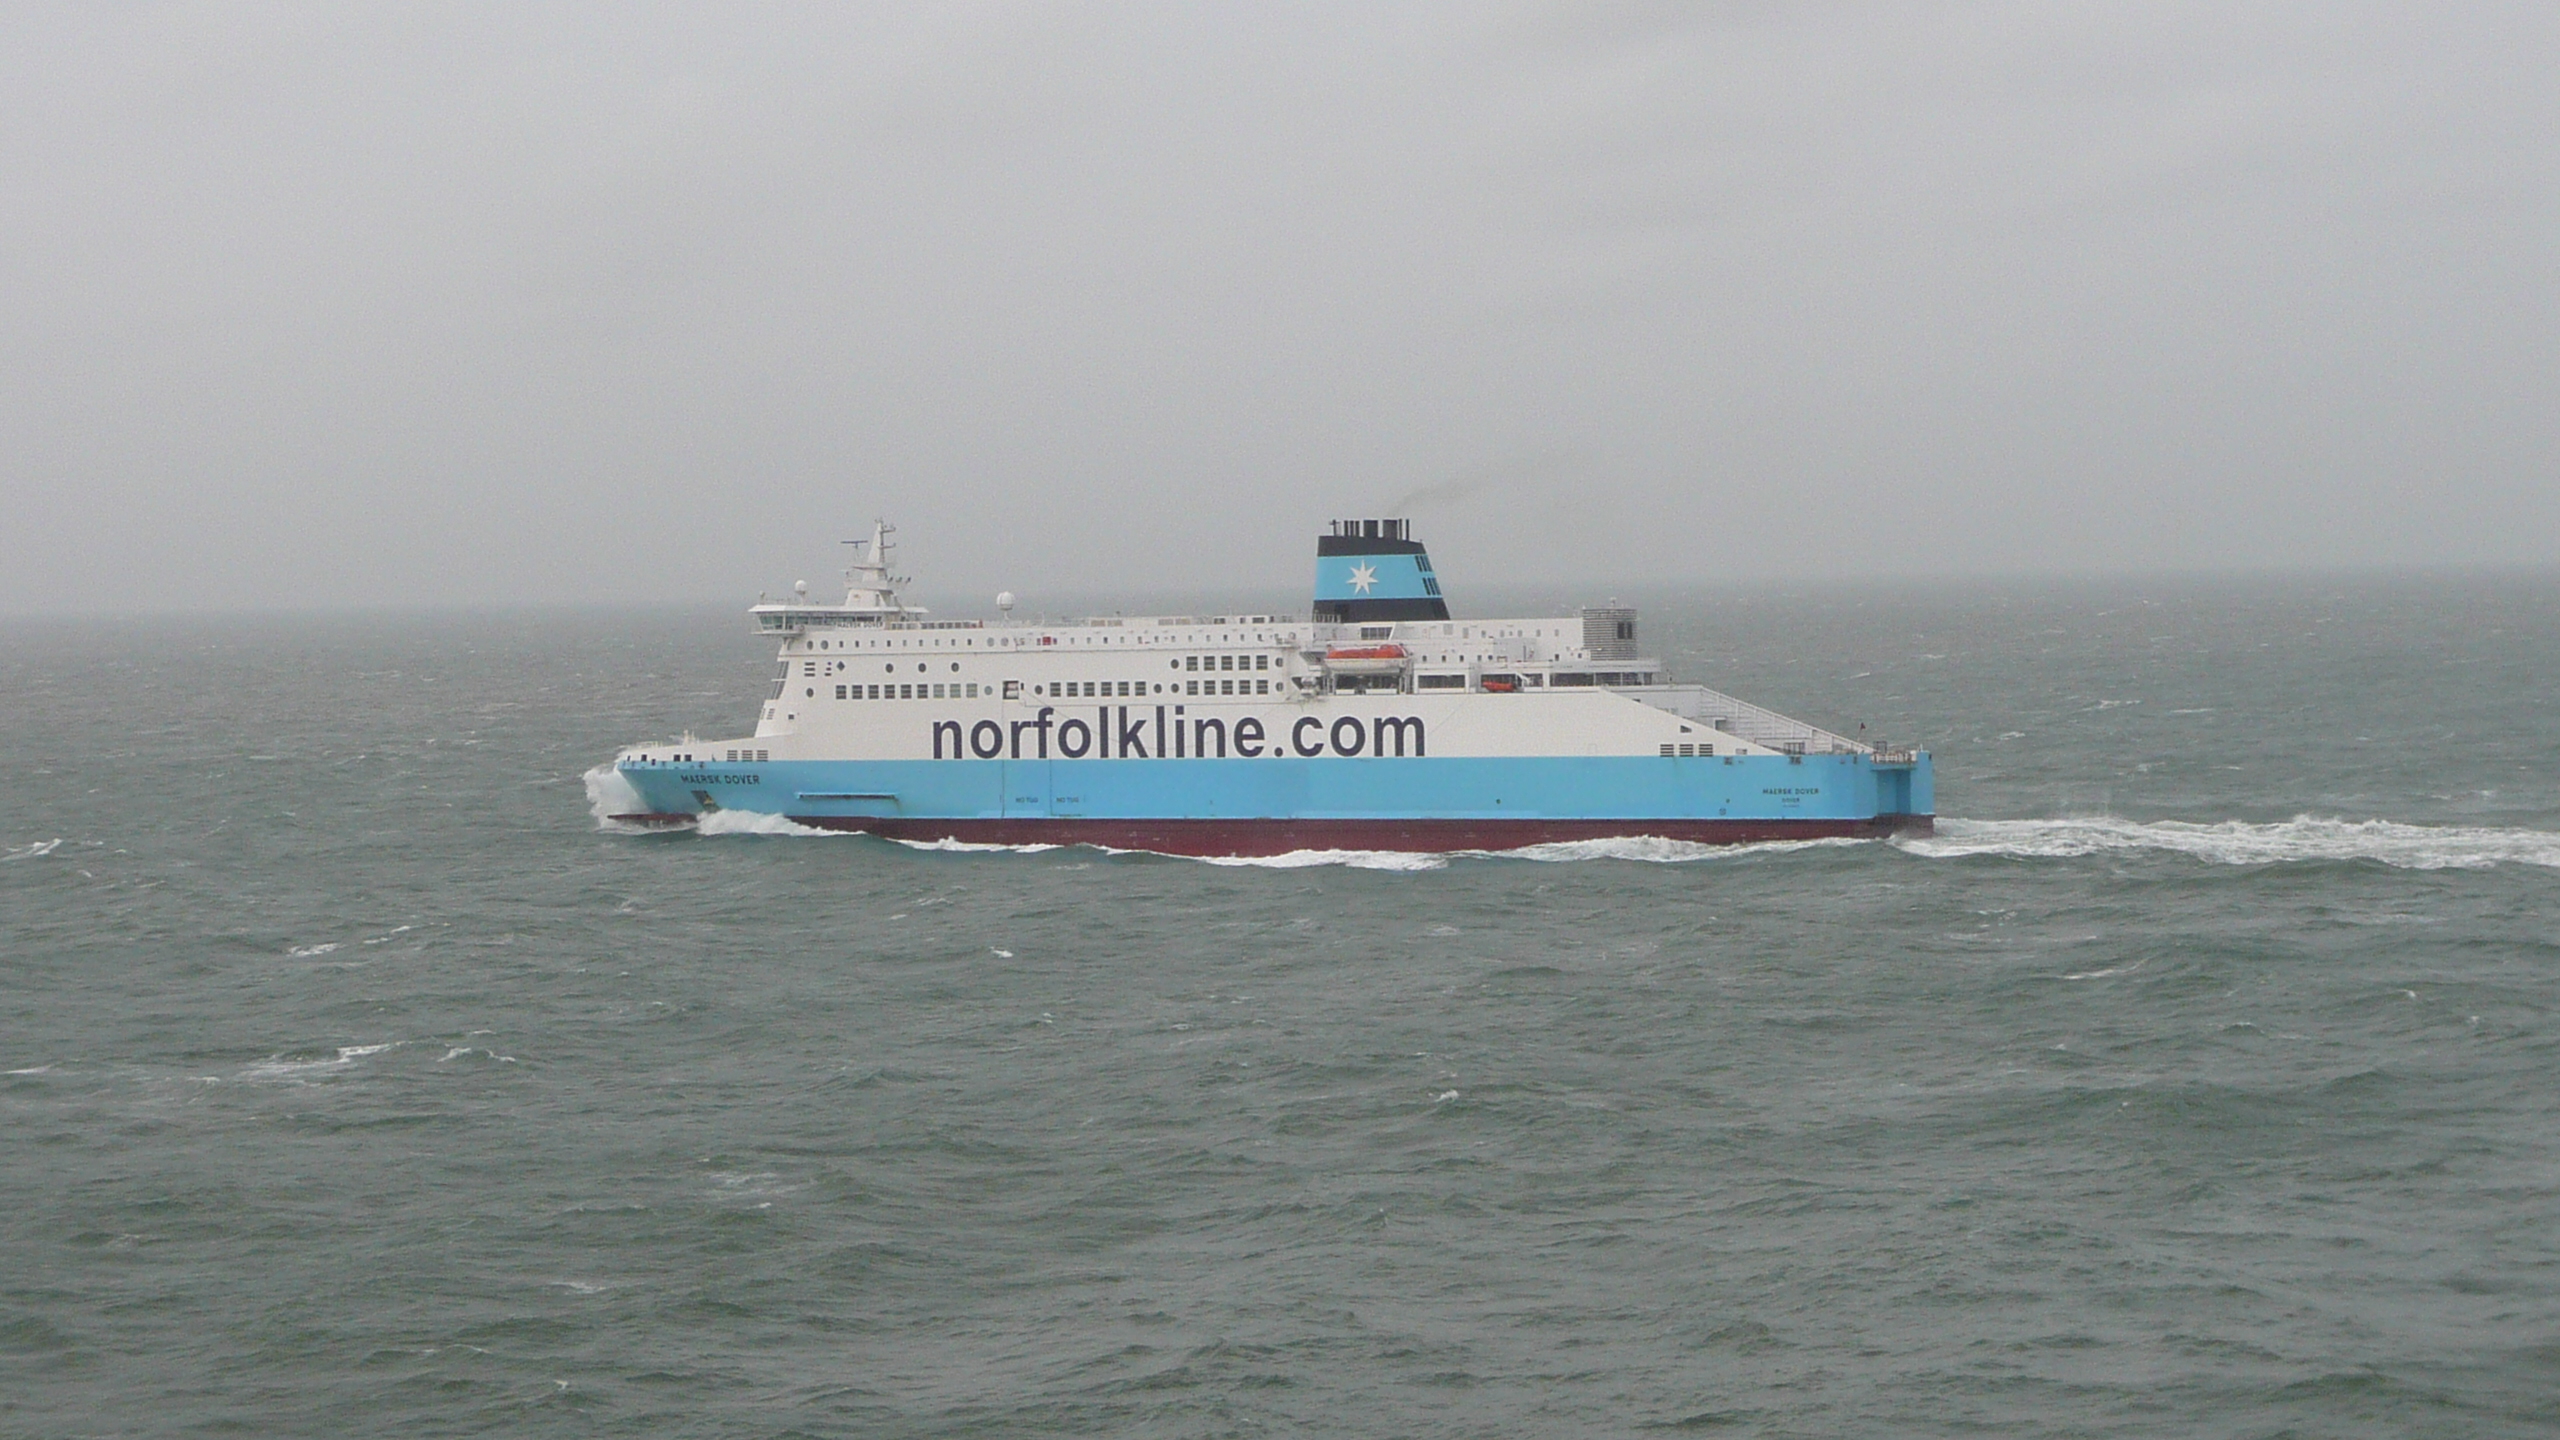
(2238, 842)
(971, 847)
(1646, 849)
(1301, 859)
(2228, 842)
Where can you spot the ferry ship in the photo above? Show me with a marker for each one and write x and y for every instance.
(1377, 721)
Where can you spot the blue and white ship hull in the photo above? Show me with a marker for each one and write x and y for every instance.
(1379, 724)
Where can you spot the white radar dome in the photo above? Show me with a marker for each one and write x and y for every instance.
(1004, 599)
(799, 587)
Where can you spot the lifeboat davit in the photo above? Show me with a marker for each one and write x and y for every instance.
(1365, 659)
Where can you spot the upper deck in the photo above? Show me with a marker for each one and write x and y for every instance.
(875, 647)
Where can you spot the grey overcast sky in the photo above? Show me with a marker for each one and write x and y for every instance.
(304, 305)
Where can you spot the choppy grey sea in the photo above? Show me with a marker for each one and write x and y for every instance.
(2198, 1077)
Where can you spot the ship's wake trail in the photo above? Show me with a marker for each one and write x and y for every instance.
(2239, 842)
(2227, 842)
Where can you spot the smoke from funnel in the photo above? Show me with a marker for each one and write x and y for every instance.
(1519, 470)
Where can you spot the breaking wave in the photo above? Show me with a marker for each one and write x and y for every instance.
(2239, 842)
(608, 795)
(297, 1069)
(754, 822)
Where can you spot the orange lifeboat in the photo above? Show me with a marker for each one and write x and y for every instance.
(1365, 659)
(1364, 652)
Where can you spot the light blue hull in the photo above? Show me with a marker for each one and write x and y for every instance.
(1241, 806)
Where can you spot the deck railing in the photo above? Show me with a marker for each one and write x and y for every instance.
(1755, 723)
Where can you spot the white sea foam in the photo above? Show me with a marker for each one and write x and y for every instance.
(2239, 842)
(32, 851)
(1648, 849)
(1655, 850)
(608, 795)
(304, 952)
(755, 822)
(1353, 859)
(974, 847)
(279, 1068)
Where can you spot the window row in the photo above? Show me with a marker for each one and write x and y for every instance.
(1226, 662)
(1688, 749)
(1067, 689)
(1054, 690)
(754, 755)
(908, 692)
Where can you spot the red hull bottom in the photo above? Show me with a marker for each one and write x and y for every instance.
(1280, 837)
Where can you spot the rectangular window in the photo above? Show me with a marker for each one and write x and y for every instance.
(937, 692)
(1666, 749)
(1261, 687)
(1190, 662)
(808, 667)
(973, 692)
(1226, 662)
(1261, 662)
(906, 692)
(763, 755)
(839, 692)
(1190, 687)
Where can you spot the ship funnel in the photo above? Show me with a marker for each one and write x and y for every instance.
(1374, 570)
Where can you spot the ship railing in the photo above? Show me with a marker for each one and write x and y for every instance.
(1756, 723)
